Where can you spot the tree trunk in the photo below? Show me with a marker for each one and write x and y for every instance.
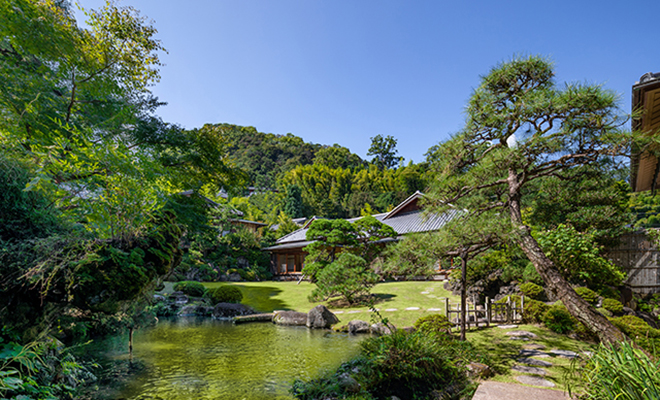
(554, 281)
(463, 294)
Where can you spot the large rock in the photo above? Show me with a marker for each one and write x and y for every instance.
(358, 326)
(320, 317)
(230, 310)
(294, 318)
(380, 329)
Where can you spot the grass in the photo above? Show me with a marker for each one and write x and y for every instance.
(270, 295)
(503, 352)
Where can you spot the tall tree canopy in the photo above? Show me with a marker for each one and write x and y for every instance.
(521, 128)
(383, 149)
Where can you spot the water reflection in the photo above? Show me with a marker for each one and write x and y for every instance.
(189, 358)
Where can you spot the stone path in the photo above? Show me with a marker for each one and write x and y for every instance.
(533, 368)
(490, 390)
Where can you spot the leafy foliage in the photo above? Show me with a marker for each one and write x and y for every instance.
(348, 277)
(613, 306)
(406, 365)
(587, 294)
(383, 149)
(578, 256)
(639, 331)
(225, 294)
(191, 288)
(534, 311)
(558, 319)
(434, 323)
(532, 290)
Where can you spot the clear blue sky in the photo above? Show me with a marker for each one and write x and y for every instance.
(343, 71)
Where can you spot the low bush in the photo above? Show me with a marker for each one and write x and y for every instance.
(587, 294)
(513, 297)
(613, 306)
(532, 290)
(607, 292)
(433, 323)
(638, 330)
(406, 365)
(558, 319)
(533, 311)
(191, 288)
(225, 294)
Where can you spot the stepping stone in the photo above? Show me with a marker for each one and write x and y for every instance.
(507, 326)
(355, 311)
(425, 292)
(521, 334)
(391, 309)
(534, 381)
(534, 362)
(518, 338)
(564, 353)
(412, 308)
(533, 353)
(434, 309)
(529, 370)
(338, 312)
(533, 346)
(490, 390)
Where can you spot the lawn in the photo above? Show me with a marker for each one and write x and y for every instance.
(270, 295)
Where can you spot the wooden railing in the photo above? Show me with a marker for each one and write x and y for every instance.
(488, 313)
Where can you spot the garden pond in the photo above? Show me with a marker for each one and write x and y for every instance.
(201, 358)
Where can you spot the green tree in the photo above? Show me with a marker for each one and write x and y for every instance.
(522, 128)
(383, 149)
(348, 277)
(293, 205)
(337, 156)
(340, 247)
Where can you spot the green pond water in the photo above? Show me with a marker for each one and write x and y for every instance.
(193, 358)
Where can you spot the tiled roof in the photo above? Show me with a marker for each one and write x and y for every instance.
(403, 223)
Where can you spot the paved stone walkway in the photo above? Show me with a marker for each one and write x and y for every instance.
(490, 390)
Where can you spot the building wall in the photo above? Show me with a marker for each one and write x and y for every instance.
(640, 259)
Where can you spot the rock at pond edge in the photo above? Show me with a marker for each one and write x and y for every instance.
(320, 317)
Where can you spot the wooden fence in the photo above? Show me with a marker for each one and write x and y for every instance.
(488, 313)
(639, 258)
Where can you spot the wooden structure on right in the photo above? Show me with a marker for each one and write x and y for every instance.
(639, 257)
(644, 165)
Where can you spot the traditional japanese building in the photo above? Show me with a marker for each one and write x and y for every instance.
(645, 168)
(288, 256)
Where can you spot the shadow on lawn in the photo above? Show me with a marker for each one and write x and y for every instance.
(261, 298)
(501, 352)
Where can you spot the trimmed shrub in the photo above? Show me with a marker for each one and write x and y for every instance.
(587, 294)
(433, 323)
(191, 288)
(614, 306)
(514, 299)
(638, 330)
(605, 312)
(530, 274)
(532, 290)
(558, 319)
(607, 292)
(225, 294)
(534, 311)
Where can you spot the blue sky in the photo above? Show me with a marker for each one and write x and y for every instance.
(343, 71)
